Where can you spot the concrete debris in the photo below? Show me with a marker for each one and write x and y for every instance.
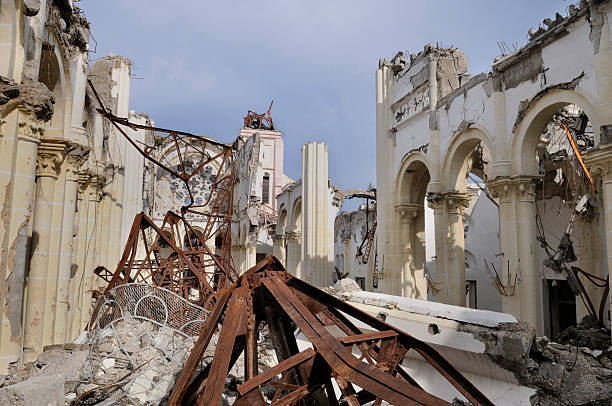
(562, 374)
(71, 27)
(29, 95)
(31, 7)
(39, 390)
(347, 285)
(588, 333)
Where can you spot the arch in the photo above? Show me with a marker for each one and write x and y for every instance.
(526, 136)
(265, 188)
(296, 215)
(281, 222)
(412, 178)
(61, 86)
(190, 241)
(458, 154)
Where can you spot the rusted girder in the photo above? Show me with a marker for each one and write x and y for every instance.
(196, 267)
(268, 295)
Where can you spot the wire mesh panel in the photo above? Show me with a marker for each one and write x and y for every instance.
(139, 341)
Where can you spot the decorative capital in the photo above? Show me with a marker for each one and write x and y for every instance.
(407, 212)
(30, 129)
(51, 154)
(457, 202)
(435, 200)
(293, 236)
(84, 178)
(600, 161)
(525, 190)
(77, 156)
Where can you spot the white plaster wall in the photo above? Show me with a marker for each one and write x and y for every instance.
(482, 241)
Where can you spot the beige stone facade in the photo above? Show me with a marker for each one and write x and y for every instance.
(62, 175)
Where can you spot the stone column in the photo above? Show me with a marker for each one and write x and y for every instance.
(294, 253)
(455, 271)
(93, 196)
(316, 202)
(250, 256)
(407, 213)
(75, 159)
(115, 248)
(528, 285)
(346, 242)
(16, 212)
(504, 190)
(51, 154)
(436, 202)
(279, 250)
(81, 242)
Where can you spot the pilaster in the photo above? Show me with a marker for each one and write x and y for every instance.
(294, 253)
(18, 163)
(409, 280)
(51, 154)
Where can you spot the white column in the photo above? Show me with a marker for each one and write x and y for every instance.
(318, 269)
(279, 250)
(411, 281)
(294, 253)
(527, 246)
(455, 271)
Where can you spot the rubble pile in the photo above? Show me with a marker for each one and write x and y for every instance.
(588, 333)
(562, 374)
(135, 362)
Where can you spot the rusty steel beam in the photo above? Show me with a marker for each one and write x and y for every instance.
(273, 297)
(192, 270)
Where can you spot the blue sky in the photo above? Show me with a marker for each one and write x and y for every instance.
(198, 66)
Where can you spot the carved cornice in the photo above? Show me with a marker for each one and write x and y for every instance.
(407, 212)
(51, 155)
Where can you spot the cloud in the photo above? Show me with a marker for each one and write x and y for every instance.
(204, 64)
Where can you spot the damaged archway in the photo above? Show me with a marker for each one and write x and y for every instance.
(466, 168)
(412, 182)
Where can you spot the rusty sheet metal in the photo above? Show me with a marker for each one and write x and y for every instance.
(268, 297)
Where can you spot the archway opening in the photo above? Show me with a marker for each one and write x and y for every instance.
(417, 237)
(567, 227)
(50, 75)
(468, 168)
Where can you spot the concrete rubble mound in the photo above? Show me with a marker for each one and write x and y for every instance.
(134, 350)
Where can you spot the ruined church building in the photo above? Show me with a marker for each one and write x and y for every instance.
(441, 131)
(529, 144)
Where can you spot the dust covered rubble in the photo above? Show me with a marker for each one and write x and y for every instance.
(130, 362)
